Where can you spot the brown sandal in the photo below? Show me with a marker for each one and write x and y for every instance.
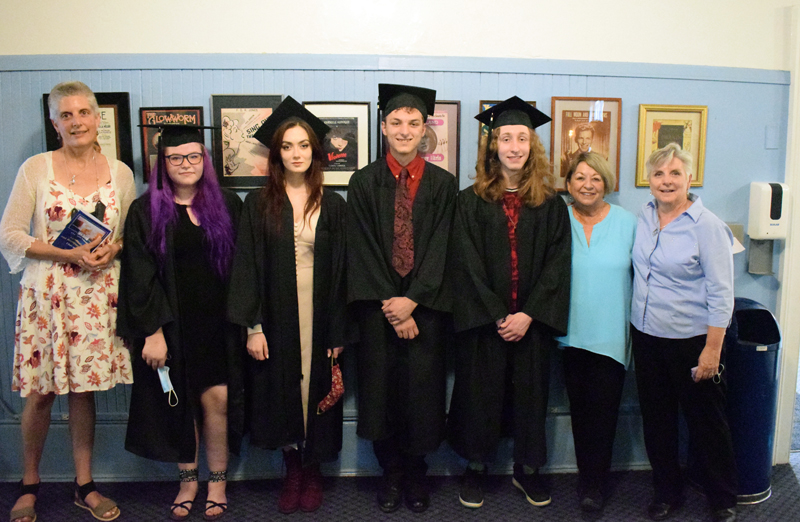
(81, 492)
(28, 511)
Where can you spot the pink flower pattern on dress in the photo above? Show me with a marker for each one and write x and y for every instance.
(66, 331)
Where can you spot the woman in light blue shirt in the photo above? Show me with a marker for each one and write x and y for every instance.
(682, 304)
(596, 347)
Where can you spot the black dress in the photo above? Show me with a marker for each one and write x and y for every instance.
(186, 306)
(201, 298)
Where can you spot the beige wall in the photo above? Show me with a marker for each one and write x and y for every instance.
(735, 33)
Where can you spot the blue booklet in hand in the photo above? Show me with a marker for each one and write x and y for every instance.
(83, 228)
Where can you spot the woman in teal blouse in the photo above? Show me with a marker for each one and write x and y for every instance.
(596, 347)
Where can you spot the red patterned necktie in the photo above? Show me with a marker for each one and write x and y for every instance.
(403, 245)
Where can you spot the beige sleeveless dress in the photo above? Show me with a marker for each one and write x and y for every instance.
(304, 235)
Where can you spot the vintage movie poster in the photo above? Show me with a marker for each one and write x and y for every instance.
(583, 131)
(162, 116)
(341, 143)
(242, 155)
(434, 145)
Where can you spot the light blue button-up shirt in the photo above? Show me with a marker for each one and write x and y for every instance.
(683, 274)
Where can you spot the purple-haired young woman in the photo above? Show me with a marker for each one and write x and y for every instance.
(180, 238)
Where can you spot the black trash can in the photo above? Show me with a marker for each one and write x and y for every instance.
(752, 342)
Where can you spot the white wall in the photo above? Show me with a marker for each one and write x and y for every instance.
(735, 33)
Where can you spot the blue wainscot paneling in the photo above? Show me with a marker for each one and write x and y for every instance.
(747, 117)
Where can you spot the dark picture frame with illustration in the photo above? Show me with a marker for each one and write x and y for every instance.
(165, 116)
(347, 145)
(240, 160)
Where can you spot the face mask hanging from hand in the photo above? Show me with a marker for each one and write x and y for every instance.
(166, 385)
(337, 388)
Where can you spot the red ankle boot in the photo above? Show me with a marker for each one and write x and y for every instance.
(289, 499)
(311, 497)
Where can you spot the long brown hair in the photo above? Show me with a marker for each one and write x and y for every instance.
(536, 182)
(274, 190)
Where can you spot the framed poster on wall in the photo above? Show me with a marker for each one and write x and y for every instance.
(660, 125)
(581, 125)
(347, 144)
(162, 116)
(241, 161)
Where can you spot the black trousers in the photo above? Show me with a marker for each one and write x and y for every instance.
(395, 461)
(663, 376)
(594, 387)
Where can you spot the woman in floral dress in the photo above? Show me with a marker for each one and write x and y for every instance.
(65, 342)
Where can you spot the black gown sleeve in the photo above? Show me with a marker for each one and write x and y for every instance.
(244, 292)
(475, 302)
(548, 302)
(143, 306)
(368, 276)
(426, 287)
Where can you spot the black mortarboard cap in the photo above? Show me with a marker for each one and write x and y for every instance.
(289, 109)
(174, 135)
(513, 111)
(392, 97)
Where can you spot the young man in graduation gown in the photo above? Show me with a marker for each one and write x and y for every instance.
(399, 211)
(510, 257)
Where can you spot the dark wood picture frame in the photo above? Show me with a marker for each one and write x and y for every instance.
(166, 116)
(239, 159)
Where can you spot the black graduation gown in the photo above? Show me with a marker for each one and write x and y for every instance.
(148, 301)
(401, 383)
(263, 290)
(491, 374)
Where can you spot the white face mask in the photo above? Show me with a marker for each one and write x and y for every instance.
(166, 385)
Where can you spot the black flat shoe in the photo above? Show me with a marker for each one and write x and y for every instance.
(417, 497)
(724, 515)
(662, 510)
(592, 501)
(391, 493)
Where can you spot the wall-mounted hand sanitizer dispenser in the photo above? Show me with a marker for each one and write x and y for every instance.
(769, 204)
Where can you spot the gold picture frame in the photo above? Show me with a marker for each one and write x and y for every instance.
(660, 125)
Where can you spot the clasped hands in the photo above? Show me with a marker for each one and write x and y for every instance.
(397, 311)
(513, 327)
(101, 258)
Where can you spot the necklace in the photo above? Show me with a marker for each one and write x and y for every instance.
(99, 206)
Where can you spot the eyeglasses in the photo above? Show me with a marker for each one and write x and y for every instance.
(176, 160)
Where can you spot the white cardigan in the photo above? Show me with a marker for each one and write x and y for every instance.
(26, 203)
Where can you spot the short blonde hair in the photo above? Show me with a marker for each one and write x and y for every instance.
(599, 164)
(73, 88)
(665, 155)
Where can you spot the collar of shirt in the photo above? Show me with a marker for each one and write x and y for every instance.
(694, 210)
(415, 170)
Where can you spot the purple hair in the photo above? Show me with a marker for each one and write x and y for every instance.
(209, 207)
